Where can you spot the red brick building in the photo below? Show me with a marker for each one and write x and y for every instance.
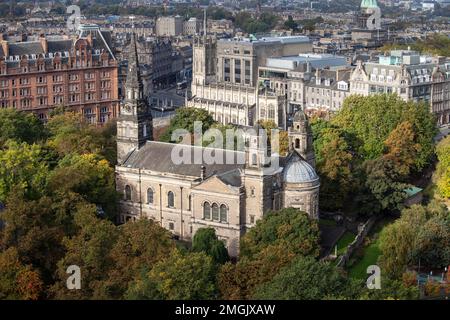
(81, 74)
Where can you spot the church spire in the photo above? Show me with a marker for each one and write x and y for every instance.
(134, 125)
(133, 75)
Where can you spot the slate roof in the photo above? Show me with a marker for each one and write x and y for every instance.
(21, 48)
(157, 156)
(232, 178)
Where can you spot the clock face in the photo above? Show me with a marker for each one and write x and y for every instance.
(127, 108)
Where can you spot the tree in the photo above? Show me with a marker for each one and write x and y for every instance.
(442, 174)
(184, 120)
(20, 127)
(178, 277)
(89, 176)
(205, 240)
(282, 145)
(70, 133)
(372, 119)
(291, 24)
(22, 170)
(18, 281)
(90, 250)
(421, 232)
(334, 165)
(239, 281)
(290, 228)
(432, 244)
(402, 148)
(306, 279)
(381, 180)
(140, 245)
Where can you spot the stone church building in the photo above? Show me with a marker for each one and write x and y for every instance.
(229, 196)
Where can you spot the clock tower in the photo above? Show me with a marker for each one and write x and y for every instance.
(134, 124)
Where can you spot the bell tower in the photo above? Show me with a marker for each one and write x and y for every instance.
(301, 139)
(134, 124)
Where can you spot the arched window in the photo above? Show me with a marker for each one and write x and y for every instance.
(127, 193)
(170, 199)
(149, 195)
(223, 213)
(297, 143)
(206, 210)
(215, 212)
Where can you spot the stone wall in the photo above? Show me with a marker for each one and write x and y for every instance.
(352, 247)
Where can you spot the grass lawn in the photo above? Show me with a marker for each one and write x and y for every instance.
(358, 270)
(344, 241)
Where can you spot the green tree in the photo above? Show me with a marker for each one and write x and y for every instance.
(205, 240)
(290, 228)
(382, 181)
(89, 176)
(442, 174)
(20, 127)
(372, 119)
(184, 120)
(22, 169)
(178, 277)
(70, 133)
(307, 279)
(421, 232)
(432, 245)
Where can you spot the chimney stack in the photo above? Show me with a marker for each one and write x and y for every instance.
(202, 172)
(44, 43)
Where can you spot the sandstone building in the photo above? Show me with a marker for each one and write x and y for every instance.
(229, 194)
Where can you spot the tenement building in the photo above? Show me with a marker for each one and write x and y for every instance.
(180, 187)
(81, 74)
(411, 76)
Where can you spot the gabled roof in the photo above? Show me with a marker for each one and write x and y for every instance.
(163, 157)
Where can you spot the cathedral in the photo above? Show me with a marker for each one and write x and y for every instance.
(229, 196)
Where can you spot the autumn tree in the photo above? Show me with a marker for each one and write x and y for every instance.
(239, 281)
(372, 119)
(139, 246)
(402, 148)
(18, 281)
(90, 250)
(178, 277)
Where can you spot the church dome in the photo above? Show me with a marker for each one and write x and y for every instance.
(300, 116)
(299, 171)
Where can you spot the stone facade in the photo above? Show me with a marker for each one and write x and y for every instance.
(81, 74)
(229, 194)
